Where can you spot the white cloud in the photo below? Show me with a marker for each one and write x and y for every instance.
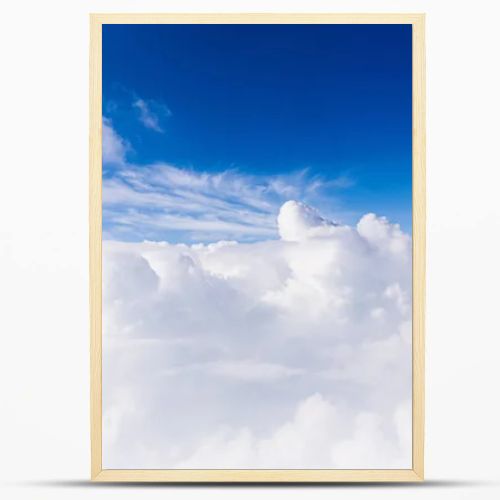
(303, 442)
(114, 147)
(266, 354)
(383, 235)
(368, 446)
(312, 439)
(150, 113)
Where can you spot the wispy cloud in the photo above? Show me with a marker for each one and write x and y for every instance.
(162, 201)
(151, 112)
(150, 201)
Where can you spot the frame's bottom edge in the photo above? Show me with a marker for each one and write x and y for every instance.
(243, 476)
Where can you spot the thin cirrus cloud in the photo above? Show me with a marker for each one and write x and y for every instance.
(151, 112)
(285, 353)
(164, 202)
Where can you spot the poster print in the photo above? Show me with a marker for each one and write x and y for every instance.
(257, 247)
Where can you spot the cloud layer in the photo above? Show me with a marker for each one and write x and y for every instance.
(289, 353)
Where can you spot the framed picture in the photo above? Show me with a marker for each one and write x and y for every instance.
(257, 247)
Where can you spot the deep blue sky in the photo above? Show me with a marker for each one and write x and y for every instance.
(270, 99)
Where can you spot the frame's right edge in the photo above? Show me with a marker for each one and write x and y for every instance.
(419, 247)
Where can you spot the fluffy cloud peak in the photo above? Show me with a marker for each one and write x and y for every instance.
(298, 221)
(380, 233)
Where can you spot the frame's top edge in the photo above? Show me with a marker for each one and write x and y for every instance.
(252, 17)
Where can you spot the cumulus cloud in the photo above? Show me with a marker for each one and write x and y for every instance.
(297, 221)
(313, 438)
(286, 353)
(385, 236)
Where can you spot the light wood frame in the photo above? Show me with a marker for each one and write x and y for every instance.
(416, 473)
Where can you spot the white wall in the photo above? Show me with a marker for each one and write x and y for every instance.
(44, 431)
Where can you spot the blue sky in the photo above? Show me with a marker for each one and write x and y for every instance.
(209, 128)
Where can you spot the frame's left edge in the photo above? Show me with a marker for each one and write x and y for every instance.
(95, 246)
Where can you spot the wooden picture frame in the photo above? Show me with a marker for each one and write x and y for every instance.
(416, 473)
